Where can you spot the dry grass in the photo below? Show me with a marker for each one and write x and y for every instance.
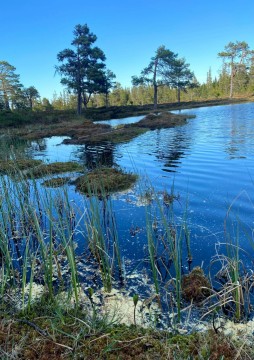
(196, 286)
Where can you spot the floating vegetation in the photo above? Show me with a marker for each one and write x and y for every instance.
(56, 182)
(105, 181)
(195, 286)
(162, 120)
(54, 168)
(14, 166)
(114, 135)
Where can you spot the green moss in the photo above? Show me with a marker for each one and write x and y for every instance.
(54, 168)
(104, 181)
(49, 330)
(13, 166)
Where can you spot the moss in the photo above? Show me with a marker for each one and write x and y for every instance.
(54, 168)
(195, 286)
(119, 135)
(14, 166)
(104, 181)
(49, 330)
(56, 182)
(162, 120)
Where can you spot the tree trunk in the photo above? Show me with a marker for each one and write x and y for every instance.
(79, 103)
(6, 101)
(178, 95)
(155, 96)
(231, 81)
(155, 86)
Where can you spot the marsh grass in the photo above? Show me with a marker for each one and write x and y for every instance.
(9, 167)
(103, 181)
(56, 182)
(102, 234)
(28, 220)
(53, 168)
(39, 227)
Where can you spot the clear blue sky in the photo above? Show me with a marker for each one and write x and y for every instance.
(128, 31)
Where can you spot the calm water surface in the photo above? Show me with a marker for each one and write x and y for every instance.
(210, 160)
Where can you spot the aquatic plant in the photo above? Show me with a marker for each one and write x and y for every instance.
(195, 286)
(104, 181)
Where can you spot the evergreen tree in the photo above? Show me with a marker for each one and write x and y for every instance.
(156, 73)
(236, 56)
(82, 68)
(180, 77)
(9, 83)
(31, 94)
(108, 83)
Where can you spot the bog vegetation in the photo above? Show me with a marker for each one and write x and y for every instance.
(63, 302)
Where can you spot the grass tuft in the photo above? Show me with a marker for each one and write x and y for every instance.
(105, 181)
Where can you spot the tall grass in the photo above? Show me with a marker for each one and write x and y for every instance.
(27, 229)
(103, 234)
(169, 243)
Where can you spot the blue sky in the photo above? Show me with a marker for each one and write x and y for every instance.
(128, 31)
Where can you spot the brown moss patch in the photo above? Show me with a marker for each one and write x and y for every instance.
(162, 120)
(195, 286)
(114, 135)
(13, 166)
(56, 182)
(104, 181)
(54, 168)
(65, 337)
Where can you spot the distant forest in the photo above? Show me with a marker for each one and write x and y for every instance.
(166, 79)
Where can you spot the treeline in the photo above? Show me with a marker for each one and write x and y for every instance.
(213, 88)
(166, 79)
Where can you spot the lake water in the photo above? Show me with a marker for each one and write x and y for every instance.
(210, 162)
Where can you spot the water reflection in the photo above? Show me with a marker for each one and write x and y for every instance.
(171, 146)
(12, 147)
(38, 145)
(240, 136)
(94, 155)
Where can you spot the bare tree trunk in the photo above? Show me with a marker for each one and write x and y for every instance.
(155, 96)
(178, 95)
(155, 86)
(79, 103)
(6, 101)
(231, 81)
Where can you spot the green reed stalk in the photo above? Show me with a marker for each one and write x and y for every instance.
(174, 237)
(234, 273)
(96, 231)
(65, 234)
(152, 253)
(97, 242)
